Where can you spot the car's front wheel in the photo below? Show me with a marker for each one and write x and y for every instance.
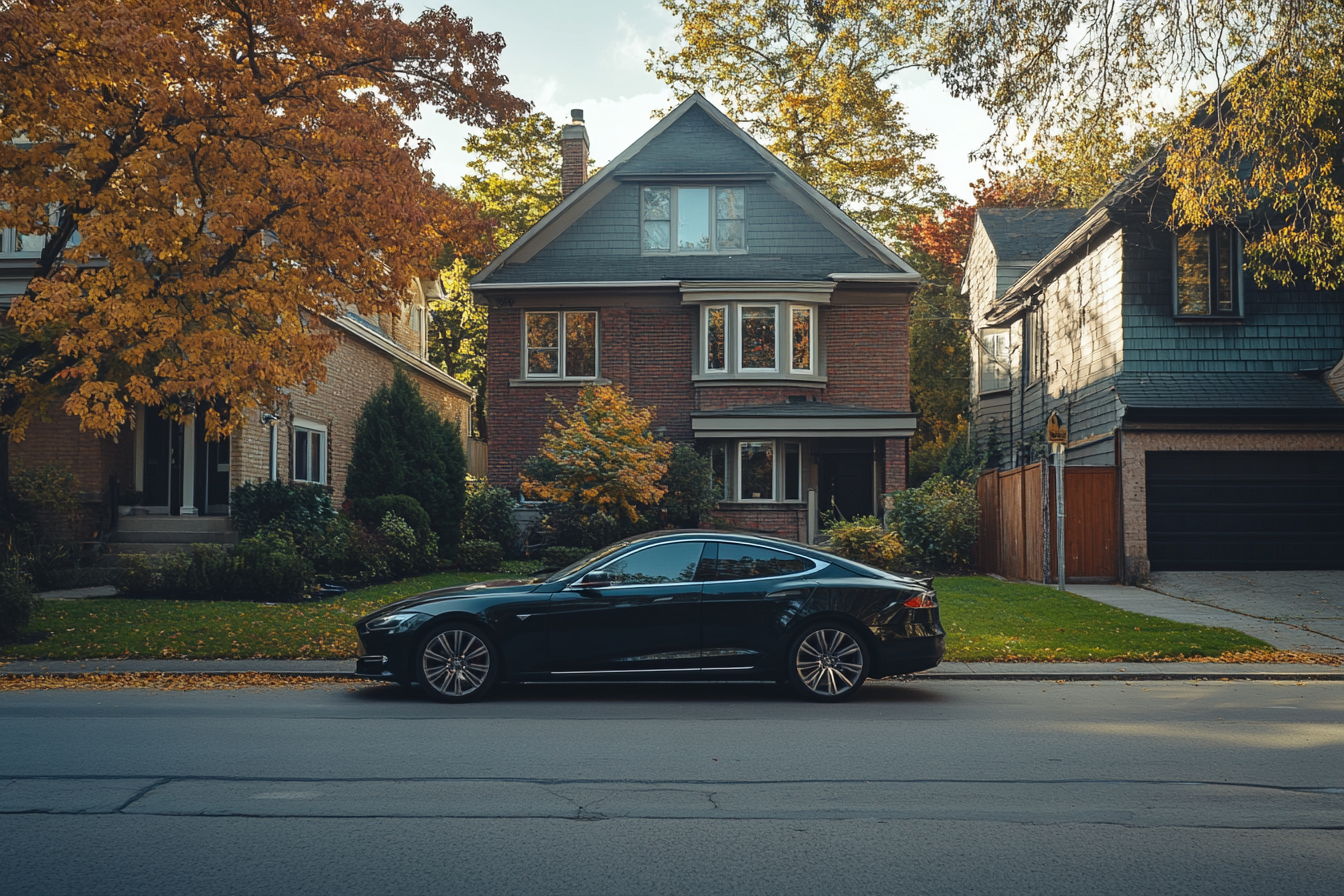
(828, 662)
(457, 663)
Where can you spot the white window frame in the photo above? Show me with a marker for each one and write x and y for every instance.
(741, 307)
(562, 363)
(672, 206)
(811, 339)
(990, 359)
(311, 429)
(774, 472)
(727, 340)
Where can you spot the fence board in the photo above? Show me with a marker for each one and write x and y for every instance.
(1014, 535)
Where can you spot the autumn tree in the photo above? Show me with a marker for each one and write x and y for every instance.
(599, 462)
(206, 179)
(815, 82)
(514, 181)
(1254, 136)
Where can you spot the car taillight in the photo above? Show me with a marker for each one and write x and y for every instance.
(922, 601)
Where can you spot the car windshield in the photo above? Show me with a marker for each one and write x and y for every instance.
(584, 561)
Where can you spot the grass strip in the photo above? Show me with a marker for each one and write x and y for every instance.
(988, 620)
(168, 681)
(119, 628)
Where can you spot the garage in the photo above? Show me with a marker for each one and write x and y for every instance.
(1229, 510)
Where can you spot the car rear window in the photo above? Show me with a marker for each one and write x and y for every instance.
(746, 561)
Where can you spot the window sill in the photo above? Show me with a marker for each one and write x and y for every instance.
(657, 253)
(1209, 318)
(562, 381)
(757, 505)
(767, 379)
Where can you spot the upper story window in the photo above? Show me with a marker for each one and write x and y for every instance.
(994, 359)
(1208, 273)
(693, 219)
(560, 344)
(14, 243)
(756, 338)
(1033, 345)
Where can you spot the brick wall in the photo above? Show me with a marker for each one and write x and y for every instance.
(789, 521)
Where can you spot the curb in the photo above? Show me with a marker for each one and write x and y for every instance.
(1126, 676)
(343, 676)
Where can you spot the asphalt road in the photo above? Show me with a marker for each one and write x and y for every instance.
(930, 787)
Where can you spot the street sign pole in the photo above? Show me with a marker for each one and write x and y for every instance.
(1058, 437)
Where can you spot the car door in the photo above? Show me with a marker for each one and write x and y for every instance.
(752, 596)
(646, 619)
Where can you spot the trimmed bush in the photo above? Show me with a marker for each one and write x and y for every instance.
(489, 517)
(302, 509)
(690, 487)
(402, 447)
(863, 539)
(17, 603)
(372, 511)
(270, 568)
(558, 557)
(938, 522)
(479, 555)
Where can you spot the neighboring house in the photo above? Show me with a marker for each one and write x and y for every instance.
(699, 272)
(305, 438)
(1207, 396)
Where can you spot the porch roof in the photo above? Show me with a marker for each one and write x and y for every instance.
(1226, 391)
(803, 419)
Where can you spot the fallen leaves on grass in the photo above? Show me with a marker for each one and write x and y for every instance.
(164, 681)
(1270, 656)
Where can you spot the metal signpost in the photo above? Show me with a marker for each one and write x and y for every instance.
(1058, 437)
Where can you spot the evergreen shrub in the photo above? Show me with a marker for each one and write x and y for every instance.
(480, 555)
(489, 517)
(372, 511)
(558, 557)
(938, 522)
(862, 539)
(17, 603)
(302, 509)
(690, 487)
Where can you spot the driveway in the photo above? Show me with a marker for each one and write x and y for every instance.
(1309, 600)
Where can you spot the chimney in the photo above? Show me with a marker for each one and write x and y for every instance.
(573, 154)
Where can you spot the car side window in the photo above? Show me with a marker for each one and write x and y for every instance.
(744, 561)
(662, 565)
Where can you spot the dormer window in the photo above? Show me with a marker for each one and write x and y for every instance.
(693, 220)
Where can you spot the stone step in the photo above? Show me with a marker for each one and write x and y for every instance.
(162, 522)
(150, 547)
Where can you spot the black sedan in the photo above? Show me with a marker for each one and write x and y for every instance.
(692, 605)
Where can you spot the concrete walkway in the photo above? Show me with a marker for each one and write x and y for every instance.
(1310, 600)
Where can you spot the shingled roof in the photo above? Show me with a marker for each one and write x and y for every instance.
(1226, 391)
(1026, 234)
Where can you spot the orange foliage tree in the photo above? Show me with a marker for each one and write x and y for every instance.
(600, 454)
(205, 179)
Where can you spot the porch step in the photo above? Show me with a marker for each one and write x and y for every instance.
(161, 533)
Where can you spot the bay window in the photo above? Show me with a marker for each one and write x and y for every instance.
(560, 344)
(755, 338)
(757, 326)
(800, 317)
(693, 219)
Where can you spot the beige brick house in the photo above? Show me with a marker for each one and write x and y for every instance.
(304, 437)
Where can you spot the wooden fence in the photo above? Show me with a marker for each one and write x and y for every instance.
(1017, 524)
(478, 458)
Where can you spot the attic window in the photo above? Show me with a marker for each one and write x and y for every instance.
(693, 220)
(1208, 273)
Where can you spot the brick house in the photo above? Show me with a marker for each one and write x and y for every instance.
(698, 271)
(1203, 431)
(305, 437)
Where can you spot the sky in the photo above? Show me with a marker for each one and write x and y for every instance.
(590, 55)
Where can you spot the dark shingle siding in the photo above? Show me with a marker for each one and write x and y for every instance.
(695, 144)
(1225, 390)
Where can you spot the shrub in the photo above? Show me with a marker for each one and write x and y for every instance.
(333, 551)
(863, 539)
(372, 511)
(488, 516)
(269, 567)
(402, 447)
(403, 548)
(938, 522)
(17, 603)
(558, 557)
(139, 576)
(583, 527)
(202, 571)
(690, 487)
(51, 487)
(302, 509)
(480, 555)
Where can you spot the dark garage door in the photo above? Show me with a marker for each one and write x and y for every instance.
(1245, 509)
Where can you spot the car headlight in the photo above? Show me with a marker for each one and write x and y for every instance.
(397, 623)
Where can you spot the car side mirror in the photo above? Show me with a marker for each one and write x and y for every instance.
(595, 580)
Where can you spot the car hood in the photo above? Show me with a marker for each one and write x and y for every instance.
(476, 589)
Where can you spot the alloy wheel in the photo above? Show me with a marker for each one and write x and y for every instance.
(829, 662)
(456, 663)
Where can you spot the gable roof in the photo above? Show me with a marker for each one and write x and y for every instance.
(1026, 234)
(754, 162)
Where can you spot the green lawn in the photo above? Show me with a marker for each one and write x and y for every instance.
(153, 629)
(985, 619)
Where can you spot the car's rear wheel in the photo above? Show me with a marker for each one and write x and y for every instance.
(828, 662)
(457, 663)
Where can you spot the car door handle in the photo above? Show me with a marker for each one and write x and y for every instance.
(659, 600)
(788, 592)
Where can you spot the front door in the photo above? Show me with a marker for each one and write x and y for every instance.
(845, 478)
(646, 619)
(162, 465)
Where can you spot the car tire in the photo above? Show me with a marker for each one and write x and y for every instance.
(827, 662)
(457, 663)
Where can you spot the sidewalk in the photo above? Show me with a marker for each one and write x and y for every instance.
(945, 672)
(1277, 632)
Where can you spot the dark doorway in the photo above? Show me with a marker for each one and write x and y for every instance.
(845, 477)
(212, 472)
(163, 467)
